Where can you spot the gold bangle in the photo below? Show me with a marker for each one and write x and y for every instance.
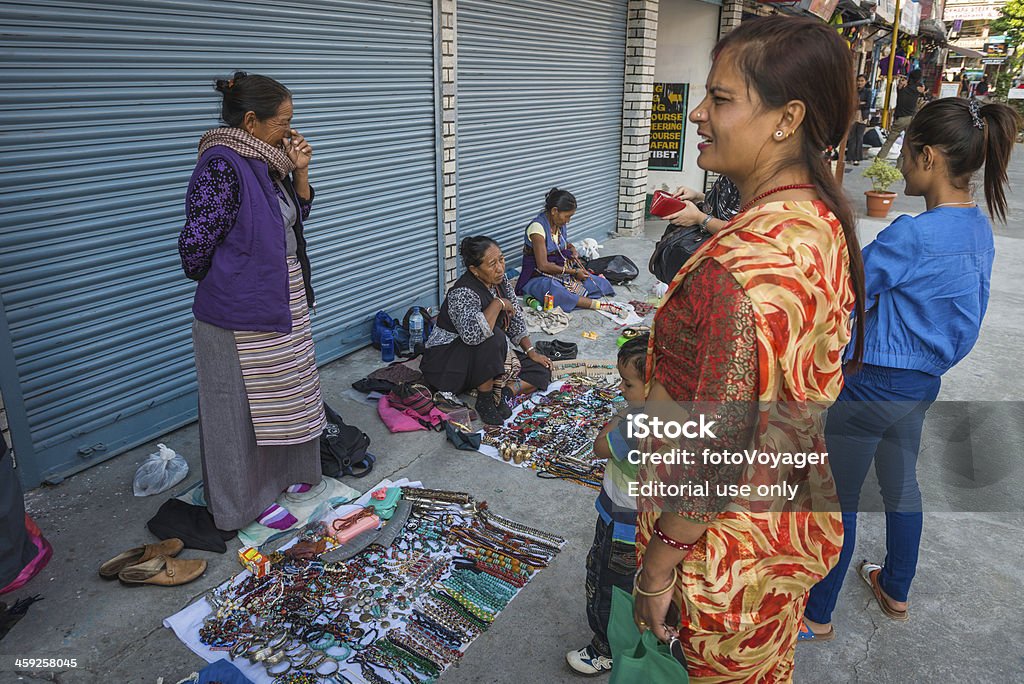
(641, 592)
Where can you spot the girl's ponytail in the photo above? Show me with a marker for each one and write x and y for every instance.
(1001, 126)
(971, 137)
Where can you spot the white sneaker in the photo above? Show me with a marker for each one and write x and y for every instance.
(587, 661)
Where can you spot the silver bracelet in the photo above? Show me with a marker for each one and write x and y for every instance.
(532, 347)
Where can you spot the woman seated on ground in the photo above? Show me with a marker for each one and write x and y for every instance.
(469, 347)
(551, 263)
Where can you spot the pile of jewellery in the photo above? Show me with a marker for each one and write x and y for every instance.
(586, 370)
(403, 608)
(554, 433)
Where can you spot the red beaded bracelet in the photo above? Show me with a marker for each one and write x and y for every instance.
(677, 545)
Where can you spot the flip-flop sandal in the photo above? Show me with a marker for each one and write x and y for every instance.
(869, 573)
(805, 633)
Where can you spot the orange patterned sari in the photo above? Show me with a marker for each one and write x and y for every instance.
(742, 589)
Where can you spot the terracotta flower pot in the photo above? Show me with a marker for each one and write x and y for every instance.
(879, 203)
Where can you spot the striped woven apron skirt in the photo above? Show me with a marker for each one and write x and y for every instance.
(280, 376)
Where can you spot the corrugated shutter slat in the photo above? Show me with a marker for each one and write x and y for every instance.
(539, 96)
(101, 110)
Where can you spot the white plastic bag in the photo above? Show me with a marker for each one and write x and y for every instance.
(160, 472)
(588, 248)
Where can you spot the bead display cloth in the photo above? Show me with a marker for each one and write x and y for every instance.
(187, 623)
(560, 451)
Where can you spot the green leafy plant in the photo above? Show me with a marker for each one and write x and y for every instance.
(1011, 25)
(882, 175)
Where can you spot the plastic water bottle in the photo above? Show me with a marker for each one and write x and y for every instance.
(387, 346)
(415, 330)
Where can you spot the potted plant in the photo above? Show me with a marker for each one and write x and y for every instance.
(882, 175)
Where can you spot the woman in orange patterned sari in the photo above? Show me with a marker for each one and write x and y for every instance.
(751, 333)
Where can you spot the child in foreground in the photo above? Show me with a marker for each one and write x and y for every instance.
(612, 558)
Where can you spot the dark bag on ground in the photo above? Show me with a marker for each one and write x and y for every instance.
(674, 249)
(382, 321)
(428, 326)
(193, 525)
(343, 448)
(618, 269)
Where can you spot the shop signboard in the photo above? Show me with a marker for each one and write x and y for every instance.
(995, 49)
(980, 11)
(993, 60)
(668, 126)
(949, 89)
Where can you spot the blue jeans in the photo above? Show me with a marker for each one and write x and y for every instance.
(877, 417)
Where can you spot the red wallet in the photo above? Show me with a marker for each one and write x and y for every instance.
(665, 204)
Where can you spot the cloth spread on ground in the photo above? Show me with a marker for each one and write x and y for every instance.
(624, 316)
(551, 322)
(299, 504)
(432, 579)
(553, 432)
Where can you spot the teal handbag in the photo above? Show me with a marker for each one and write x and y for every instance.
(638, 657)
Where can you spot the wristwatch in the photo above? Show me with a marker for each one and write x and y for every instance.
(705, 222)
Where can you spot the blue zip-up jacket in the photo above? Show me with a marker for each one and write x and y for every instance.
(927, 285)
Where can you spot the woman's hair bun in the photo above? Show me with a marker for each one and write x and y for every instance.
(472, 249)
(223, 85)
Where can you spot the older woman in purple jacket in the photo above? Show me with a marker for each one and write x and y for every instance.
(260, 409)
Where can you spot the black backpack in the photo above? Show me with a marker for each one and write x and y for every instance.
(617, 269)
(343, 448)
(428, 327)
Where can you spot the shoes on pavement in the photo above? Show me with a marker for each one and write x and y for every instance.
(140, 554)
(163, 571)
(587, 661)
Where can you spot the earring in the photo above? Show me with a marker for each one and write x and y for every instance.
(779, 134)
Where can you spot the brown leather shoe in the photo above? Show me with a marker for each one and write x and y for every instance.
(163, 571)
(140, 554)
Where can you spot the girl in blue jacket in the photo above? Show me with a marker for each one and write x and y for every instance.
(927, 287)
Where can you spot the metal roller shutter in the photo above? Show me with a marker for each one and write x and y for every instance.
(101, 109)
(539, 104)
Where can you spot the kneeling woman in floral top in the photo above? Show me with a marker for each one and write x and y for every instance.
(469, 348)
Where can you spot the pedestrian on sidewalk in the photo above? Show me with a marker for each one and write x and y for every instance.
(751, 327)
(927, 287)
(260, 408)
(855, 141)
(612, 558)
(907, 99)
(981, 90)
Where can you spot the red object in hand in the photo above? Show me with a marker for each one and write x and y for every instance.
(665, 204)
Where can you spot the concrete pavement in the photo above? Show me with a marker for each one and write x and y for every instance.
(966, 600)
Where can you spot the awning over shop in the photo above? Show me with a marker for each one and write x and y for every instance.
(933, 28)
(966, 52)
